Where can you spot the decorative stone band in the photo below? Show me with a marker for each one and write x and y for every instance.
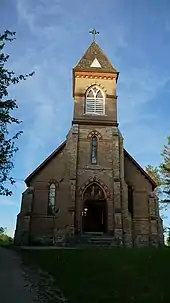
(154, 217)
(71, 209)
(94, 75)
(92, 121)
(82, 95)
(118, 210)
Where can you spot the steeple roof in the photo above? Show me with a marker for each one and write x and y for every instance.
(95, 59)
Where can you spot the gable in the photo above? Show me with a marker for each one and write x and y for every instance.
(60, 149)
(44, 163)
(132, 170)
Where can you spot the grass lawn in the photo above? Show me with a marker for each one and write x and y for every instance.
(107, 275)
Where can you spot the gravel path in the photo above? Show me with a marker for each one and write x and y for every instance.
(19, 284)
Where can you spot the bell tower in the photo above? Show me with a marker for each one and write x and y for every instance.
(94, 88)
(95, 147)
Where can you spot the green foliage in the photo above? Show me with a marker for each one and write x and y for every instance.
(2, 230)
(154, 173)
(161, 175)
(4, 238)
(7, 143)
(165, 171)
(168, 238)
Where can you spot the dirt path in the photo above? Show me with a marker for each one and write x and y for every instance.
(22, 284)
(13, 285)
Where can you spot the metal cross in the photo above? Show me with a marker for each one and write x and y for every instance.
(94, 33)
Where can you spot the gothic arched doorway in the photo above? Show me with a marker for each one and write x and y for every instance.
(94, 215)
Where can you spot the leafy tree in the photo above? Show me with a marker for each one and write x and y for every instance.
(7, 105)
(4, 238)
(2, 230)
(165, 171)
(154, 173)
(161, 175)
(168, 238)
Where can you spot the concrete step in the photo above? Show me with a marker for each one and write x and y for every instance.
(102, 241)
(93, 239)
(96, 239)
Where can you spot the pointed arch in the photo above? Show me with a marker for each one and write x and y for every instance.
(94, 149)
(94, 211)
(97, 181)
(95, 101)
(94, 192)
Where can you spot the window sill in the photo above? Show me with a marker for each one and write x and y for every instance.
(96, 115)
(93, 166)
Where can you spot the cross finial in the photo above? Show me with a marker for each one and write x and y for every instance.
(94, 33)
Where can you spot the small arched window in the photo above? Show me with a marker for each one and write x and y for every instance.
(94, 150)
(95, 101)
(51, 199)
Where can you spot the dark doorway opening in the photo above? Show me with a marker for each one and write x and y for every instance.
(94, 213)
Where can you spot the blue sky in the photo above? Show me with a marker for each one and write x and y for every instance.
(51, 37)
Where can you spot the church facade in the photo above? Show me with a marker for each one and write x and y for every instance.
(90, 188)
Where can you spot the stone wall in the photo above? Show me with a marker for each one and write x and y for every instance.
(73, 172)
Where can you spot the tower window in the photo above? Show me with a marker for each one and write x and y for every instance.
(51, 199)
(130, 200)
(94, 150)
(95, 101)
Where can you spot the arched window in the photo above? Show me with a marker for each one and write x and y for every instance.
(51, 199)
(130, 200)
(95, 101)
(94, 150)
(93, 192)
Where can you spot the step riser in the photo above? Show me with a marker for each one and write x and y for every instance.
(93, 239)
(98, 240)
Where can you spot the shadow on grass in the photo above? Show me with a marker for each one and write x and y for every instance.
(107, 275)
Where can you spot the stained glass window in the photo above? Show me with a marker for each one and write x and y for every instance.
(94, 150)
(51, 201)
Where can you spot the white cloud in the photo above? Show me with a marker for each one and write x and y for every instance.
(40, 105)
(143, 136)
(142, 84)
(37, 16)
(7, 201)
(135, 91)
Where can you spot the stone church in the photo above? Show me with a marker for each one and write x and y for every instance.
(90, 190)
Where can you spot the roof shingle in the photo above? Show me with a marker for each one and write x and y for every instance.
(92, 53)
